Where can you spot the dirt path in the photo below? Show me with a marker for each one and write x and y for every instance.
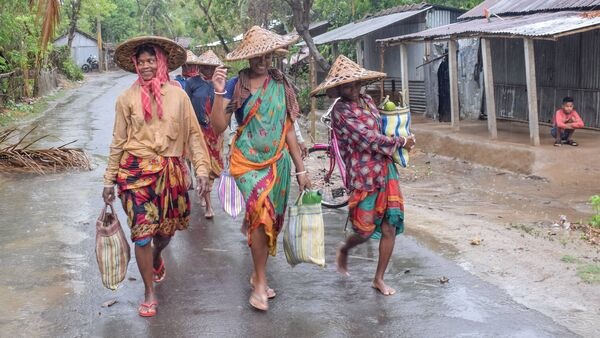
(450, 203)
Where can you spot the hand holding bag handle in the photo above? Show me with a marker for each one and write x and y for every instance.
(112, 249)
(107, 224)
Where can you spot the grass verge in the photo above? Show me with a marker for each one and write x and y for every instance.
(14, 112)
(589, 273)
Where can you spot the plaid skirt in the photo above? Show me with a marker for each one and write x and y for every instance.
(154, 194)
(368, 210)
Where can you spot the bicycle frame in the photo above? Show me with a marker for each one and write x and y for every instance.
(332, 147)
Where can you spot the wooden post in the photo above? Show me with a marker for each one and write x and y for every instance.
(453, 70)
(488, 76)
(100, 56)
(313, 102)
(334, 50)
(404, 71)
(382, 69)
(534, 127)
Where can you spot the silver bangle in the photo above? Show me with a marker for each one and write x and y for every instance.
(300, 173)
(220, 93)
(404, 143)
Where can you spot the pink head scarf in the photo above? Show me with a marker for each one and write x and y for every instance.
(152, 87)
(191, 71)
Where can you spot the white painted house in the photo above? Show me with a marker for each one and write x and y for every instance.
(82, 47)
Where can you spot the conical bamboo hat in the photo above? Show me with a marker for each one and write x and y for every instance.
(208, 58)
(175, 54)
(344, 71)
(191, 58)
(258, 41)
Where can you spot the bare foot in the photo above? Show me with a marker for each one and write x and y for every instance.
(341, 260)
(259, 301)
(209, 213)
(270, 292)
(383, 288)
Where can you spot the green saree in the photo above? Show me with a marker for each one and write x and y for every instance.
(260, 161)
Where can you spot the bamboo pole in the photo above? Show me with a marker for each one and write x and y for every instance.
(382, 69)
(488, 78)
(534, 127)
(313, 101)
(334, 50)
(101, 62)
(453, 63)
(404, 71)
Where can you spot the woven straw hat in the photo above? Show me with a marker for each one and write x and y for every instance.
(176, 55)
(191, 58)
(258, 41)
(344, 71)
(208, 58)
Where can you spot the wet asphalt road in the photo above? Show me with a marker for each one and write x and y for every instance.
(50, 286)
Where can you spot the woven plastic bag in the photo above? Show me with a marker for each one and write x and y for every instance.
(112, 249)
(230, 196)
(304, 236)
(397, 123)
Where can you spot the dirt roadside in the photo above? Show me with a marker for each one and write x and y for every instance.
(451, 202)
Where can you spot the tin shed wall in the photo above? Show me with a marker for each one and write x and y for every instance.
(567, 67)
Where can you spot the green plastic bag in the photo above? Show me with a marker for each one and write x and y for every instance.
(311, 197)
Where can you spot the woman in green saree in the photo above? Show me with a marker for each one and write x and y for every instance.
(265, 106)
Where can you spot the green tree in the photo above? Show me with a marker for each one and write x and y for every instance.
(121, 24)
(72, 9)
(217, 15)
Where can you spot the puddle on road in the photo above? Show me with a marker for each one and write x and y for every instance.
(43, 219)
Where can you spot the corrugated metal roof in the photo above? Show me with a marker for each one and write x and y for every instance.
(354, 30)
(520, 7)
(399, 9)
(477, 11)
(541, 25)
(318, 24)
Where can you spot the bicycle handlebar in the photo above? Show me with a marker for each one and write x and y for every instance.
(326, 118)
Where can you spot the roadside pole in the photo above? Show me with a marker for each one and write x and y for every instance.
(313, 101)
(101, 63)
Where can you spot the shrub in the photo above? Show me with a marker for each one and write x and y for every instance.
(71, 71)
(60, 57)
(595, 220)
(4, 66)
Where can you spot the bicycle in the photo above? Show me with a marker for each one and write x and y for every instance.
(322, 160)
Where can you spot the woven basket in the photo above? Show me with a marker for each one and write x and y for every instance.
(258, 41)
(344, 71)
(208, 58)
(176, 55)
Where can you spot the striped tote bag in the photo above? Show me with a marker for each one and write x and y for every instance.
(230, 196)
(112, 249)
(304, 235)
(397, 123)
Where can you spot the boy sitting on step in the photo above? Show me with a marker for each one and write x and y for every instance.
(566, 120)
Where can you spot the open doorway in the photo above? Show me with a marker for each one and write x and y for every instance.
(444, 106)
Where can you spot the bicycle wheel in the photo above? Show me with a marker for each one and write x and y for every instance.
(325, 177)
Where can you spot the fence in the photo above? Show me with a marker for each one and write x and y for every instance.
(12, 85)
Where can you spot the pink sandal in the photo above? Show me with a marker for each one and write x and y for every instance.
(148, 309)
(160, 273)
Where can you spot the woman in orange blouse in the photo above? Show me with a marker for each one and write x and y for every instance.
(154, 125)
